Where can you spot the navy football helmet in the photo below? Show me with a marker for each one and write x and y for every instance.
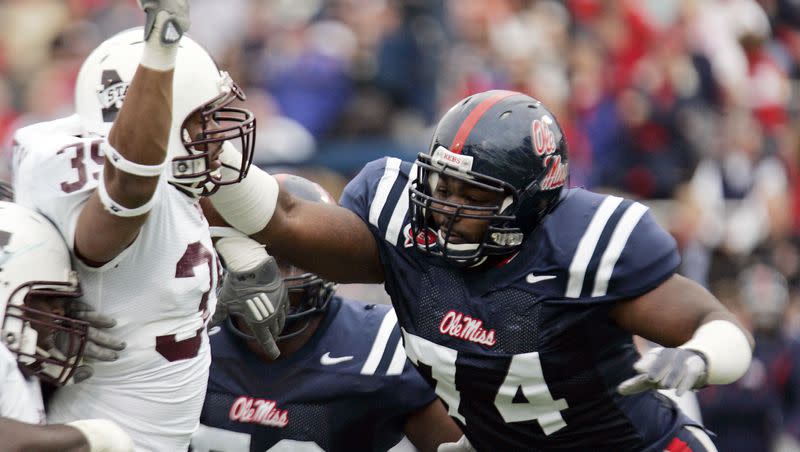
(499, 141)
(310, 295)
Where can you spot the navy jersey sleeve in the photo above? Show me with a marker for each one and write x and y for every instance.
(648, 258)
(408, 392)
(360, 191)
(618, 252)
(401, 389)
(379, 196)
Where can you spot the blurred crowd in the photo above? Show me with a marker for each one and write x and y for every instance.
(692, 105)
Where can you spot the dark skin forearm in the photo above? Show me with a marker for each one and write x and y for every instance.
(23, 437)
(669, 314)
(430, 426)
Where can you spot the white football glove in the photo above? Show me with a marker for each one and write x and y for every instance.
(462, 445)
(103, 435)
(171, 25)
(667, 368)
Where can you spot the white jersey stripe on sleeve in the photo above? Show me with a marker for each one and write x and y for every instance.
(390, 173)
(379, 345)
(399, 213)
(615, 246)
(587, 245)
(398, 360)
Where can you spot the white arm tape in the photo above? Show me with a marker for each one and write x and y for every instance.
(240, 253)
(726, 349)
(137, 169)
(117, 209)
(249, 205)
(224, 231)
(103, 435)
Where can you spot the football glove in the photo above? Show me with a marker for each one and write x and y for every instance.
(101, 345)
(462, 445)
(103, 435)
(171, 25)
(667, 368)
(260, 298)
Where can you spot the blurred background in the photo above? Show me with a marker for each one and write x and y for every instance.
(692, 106)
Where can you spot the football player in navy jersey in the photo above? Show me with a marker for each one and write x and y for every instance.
(517, 298)
(342, 381)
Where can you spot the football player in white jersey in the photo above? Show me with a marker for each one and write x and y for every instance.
(37, 287)
(126, 200)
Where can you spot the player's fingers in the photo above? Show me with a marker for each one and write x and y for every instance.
(105, 340)
(276, 324)
(268, 344)
(684, 385)
(96, 319)
(644, 363)
(635, 385)
(98, 353)
(673, 376)
(82, 373)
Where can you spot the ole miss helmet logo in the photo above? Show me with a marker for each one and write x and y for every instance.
(426, 237)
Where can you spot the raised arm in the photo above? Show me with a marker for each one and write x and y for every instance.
(115, 212)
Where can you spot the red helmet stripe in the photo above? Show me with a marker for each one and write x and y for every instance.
(475, 116)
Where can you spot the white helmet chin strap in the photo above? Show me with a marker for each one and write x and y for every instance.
(459, 248)
(24, 338)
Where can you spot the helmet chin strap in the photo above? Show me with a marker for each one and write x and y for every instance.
(460, 248)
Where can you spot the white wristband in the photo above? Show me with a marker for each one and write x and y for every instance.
(103, 435)
(117, 209)
(240, 253)
(248, 205)
(726, 349)
(137, 169)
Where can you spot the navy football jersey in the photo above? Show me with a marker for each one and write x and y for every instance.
(349, 388)
(524, 354)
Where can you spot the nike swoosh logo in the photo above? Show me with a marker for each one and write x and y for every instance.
(327, 360)
(533, 279)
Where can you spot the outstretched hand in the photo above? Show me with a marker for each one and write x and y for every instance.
(667, 368)
(100, 346)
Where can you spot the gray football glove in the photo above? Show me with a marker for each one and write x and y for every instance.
(171, 25)
(462, 445)
(667, 368)
(259, 297)
(100, 346)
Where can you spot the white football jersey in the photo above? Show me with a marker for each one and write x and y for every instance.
(161, 290)
(20, 397)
